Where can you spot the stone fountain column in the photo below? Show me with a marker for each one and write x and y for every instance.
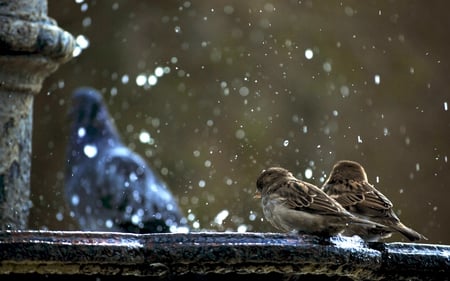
(32, 47)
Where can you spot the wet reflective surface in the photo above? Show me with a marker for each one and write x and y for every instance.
(248, 254)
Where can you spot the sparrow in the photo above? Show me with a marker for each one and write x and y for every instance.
(348, 185)
(293, 205)
(108, 187)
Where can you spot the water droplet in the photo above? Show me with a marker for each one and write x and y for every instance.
(309, 54)
(90, 150)
(345, 91)
(244, 91)
(349, 11)
(221, 216)
(179, 229)
(84, 7)
(152, 80)
(81, 132)
(285, 143)
(144, 137)
(141, 79)
(133, 176)
(407, 140)
(59, 216)
(305, 129)
(125, 78)
(377, 79)
(228, 9)
(240, 134)
(159, 71)
(75, 200)
(228, 181)
(242, 228)
(109, 223)
(82, 42)
(308, 173)
(87, 21)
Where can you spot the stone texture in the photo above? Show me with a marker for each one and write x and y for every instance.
(32, 46)
(243, 256)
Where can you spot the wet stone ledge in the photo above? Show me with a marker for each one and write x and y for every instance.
(53, 255)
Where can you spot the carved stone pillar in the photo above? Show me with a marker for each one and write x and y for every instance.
(32, 46)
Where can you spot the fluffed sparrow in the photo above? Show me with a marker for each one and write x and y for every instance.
(348, 185)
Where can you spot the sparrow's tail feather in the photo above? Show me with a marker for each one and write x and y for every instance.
(367, 223)
(409, 233)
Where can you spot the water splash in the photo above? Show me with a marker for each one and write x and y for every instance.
(221, 216)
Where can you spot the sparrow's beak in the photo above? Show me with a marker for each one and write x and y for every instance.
(257, 195)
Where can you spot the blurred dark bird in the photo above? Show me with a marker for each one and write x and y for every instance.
(290, 204)
(348, 185)
(108, 187)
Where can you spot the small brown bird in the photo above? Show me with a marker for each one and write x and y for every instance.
(348, 185)
(290, 204)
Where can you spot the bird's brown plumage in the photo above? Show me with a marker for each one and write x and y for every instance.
(291, 204)
(349, 186)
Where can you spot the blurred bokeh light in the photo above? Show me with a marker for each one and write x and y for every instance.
(211, 93)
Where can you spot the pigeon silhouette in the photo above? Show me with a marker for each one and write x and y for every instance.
(108, 187)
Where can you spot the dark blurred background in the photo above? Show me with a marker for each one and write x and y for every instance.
(212, 93)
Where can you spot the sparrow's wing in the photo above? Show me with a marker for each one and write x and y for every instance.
(361, 196)
(302, 195)
(375, 199)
